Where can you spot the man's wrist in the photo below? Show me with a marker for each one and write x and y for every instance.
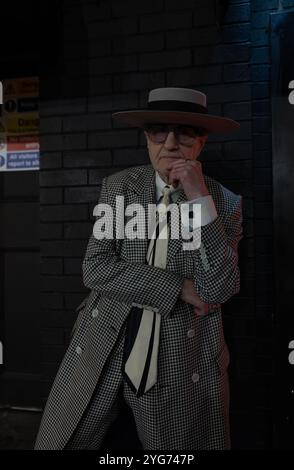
(197, 194)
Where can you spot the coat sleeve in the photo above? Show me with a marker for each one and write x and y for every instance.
(128, 282)
(217, 275)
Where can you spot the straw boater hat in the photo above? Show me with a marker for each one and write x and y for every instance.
(177, 106)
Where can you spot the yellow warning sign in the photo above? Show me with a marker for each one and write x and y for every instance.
(22, 123)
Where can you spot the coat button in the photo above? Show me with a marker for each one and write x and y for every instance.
(191, 333)
(95, 313)
(79, 350)
(195, 377)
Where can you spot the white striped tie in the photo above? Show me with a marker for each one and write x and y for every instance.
(140, 366)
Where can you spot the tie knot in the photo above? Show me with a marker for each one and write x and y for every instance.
(166, 191)
(166, 188)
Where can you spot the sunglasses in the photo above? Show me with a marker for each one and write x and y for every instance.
(185, 135)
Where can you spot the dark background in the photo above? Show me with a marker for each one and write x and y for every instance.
(97, 57)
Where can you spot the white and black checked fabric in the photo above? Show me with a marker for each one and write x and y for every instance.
(143, 325)
(188, 408)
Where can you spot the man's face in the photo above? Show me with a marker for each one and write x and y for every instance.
(165, 145)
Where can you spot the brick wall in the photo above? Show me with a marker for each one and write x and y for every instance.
(266, 400)
(111, 54)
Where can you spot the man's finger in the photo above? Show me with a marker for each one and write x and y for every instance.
(199, 312)
(178, 163)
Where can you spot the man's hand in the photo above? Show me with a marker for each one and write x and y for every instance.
(189, 174)
(189, 295)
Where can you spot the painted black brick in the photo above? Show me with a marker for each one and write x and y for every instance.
(116, 52)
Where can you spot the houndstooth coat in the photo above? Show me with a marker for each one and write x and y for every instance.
(192, 397)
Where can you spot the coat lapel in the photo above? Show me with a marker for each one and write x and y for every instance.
(176, 245)
(141, 190)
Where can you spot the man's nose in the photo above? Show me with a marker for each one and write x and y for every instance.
(171, 141)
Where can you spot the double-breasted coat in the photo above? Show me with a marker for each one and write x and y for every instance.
(191, 398)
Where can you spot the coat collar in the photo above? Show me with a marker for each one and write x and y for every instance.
(143, 183)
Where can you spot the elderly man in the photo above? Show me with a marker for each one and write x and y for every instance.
(150, 332)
